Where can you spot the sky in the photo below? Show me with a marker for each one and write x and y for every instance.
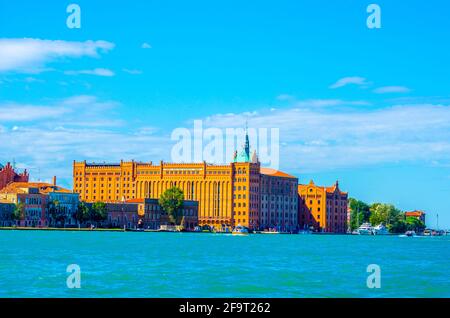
(367, 107)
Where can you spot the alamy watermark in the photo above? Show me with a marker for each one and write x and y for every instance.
(374, 18)
(223, 145)
(74, 279)
(73, 21)
(374, 279)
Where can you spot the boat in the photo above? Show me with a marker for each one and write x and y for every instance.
(240, 230)
(365, 229)
(380, 229)
(198, 229)
(410, 233)
(270, 231)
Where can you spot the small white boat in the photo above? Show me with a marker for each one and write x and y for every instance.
(240, 230)
(380, 229)
(410, 233)
(365, 229)
(269, 232)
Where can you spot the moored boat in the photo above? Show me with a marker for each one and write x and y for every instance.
(240, 230)
(380, 229)
(365, 229)
(270, 231)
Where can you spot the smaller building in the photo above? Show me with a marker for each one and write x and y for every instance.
(35, 199)
(64, 202)
(32, 203)
(154, 215)
(323, 209)
(121, 215)
(147, 214)
(420, 215)
(6, 213)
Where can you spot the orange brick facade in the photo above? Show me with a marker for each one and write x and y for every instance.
(322, 208)
(227, 194)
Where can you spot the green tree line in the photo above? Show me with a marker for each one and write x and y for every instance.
(93, 214)
(381, 213)
(84, 213)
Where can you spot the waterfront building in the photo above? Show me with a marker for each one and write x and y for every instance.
(34, 203)
(34, 198)
(227, 195)
(64, 201)
(420, 215)
(322, 208)
(279, 200)
(147, 214)
(121, 215)
(8, 175)
(154, 215)
(6, 213)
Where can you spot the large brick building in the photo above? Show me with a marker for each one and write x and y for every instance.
(8, 175)
(322, 208)
(227, 195)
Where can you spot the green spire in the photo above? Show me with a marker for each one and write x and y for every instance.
(244, 155)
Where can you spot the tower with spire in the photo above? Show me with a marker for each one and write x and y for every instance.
(244, 154)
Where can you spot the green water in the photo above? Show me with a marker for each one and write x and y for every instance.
(33, 264)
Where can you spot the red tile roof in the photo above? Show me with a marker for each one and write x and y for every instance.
(276, 173)
(18, 187)
(414, 213)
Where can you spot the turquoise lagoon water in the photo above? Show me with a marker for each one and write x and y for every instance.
(126, 264)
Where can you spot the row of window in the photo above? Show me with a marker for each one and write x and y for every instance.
(103, 179)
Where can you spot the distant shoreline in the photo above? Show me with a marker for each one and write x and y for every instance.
(75, 229)
(11, 228)
(83, 229)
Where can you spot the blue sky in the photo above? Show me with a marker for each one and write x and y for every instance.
(368, 107)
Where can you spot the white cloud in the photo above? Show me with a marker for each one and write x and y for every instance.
(97, 72)
(145, 45)
(354, 80)
(313, 139)
(47, 138)
(319, 139)
(29, 55)
(82, 108)
(392, 89)
(328, 103)
(132, 72)
(285, 97)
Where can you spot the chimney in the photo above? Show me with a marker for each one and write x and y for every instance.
(54, 180)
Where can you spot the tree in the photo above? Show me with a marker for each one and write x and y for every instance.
(19, 211)
(398, 225)
(383, 213)
(99, 212)
(414, 224)
(171, 201)
(82, 213)
(359, 213)
(55, 211)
